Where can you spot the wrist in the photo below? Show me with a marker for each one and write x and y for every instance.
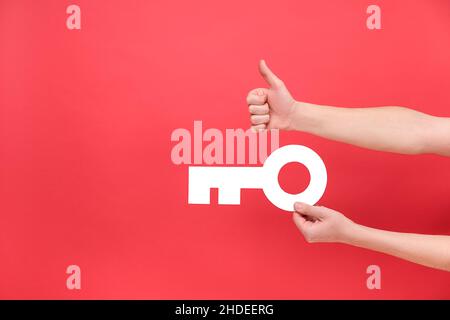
(299, 116)
(351, 233)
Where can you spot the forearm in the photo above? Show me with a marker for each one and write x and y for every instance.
(394, 129)
(428, 250)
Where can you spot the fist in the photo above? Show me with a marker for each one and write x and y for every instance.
(272, 107)
(320, 224)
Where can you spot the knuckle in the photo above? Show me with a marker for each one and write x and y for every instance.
(257, 100)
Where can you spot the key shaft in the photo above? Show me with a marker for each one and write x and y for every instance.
(229, 181)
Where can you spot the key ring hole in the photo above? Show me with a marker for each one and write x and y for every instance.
(294, 177)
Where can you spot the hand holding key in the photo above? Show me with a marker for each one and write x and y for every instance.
(273, 107)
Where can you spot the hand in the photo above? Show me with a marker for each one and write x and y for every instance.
(320, 224)
(273, 107)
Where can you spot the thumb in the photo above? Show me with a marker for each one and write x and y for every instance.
(268, 75)
(310, 211)
(299, 221)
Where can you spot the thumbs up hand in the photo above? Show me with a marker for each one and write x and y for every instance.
(272, 107)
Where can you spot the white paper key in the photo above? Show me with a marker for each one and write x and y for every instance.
(230, 180)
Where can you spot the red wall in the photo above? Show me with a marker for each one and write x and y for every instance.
(85, 124)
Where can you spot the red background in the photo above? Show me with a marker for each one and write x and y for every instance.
(86, 117)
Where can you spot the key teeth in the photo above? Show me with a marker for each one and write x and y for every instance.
(229, 196)
(199, 198)
(197, 193)
(226, 196)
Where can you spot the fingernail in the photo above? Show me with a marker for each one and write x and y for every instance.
(298, 206)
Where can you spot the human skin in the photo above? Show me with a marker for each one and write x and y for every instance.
(392, 129)
(320, 224)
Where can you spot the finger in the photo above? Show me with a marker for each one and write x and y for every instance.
(259, 127)
(259, 109)
(257, 96)
(310, 211)
(259, 119)
(299, 221)
(268, 75)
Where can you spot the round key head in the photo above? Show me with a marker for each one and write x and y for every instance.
(294, 153)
